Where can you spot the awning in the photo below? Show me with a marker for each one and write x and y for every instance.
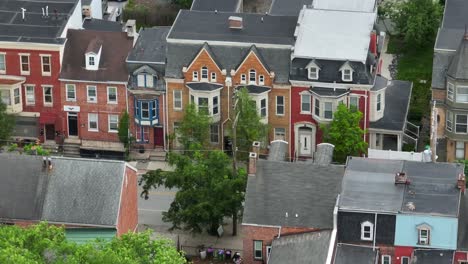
(26, 127)
(47, 118)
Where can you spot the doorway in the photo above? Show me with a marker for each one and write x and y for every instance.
(158, 136)
(306, 141)
(50, 132)
(72, 124)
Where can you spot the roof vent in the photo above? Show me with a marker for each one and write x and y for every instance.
(235, 22)
(401, 178)
(410, 206)
(22, 12)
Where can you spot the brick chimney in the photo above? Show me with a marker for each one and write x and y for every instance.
(461, 183)
(256, 147)
(252, 164)
(235, 22)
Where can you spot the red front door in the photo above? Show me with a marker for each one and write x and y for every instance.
(158, 136)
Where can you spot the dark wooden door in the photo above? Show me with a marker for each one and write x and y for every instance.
(50, 131)
(72, 124)
(158, 136)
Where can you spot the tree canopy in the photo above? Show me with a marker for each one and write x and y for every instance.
(194, 129)
(42, 243)
(345, 133)
(7, 123)
(123, 129)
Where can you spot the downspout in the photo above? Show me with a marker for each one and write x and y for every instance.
(279, 232)
(375, 232)
(166, 121)
(126, 106)
(365, 115)
(164, 128)
(228, 84)
(331, 246)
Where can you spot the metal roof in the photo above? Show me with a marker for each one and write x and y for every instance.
(348, 5)
(352, 254)
(218, 5)
(334, 35)
(432, 256)
(288, 7)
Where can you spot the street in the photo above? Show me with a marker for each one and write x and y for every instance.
(150, 211)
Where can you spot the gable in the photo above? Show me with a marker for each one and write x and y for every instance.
(145, 69)
(251, 55)
(204, 56)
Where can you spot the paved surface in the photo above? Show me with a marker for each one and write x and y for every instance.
(386, 59)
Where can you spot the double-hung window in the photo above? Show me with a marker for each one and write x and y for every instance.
(30, 95)
(17, 95)
(449, 121)
(71, 92)
(461, 124)
(215, 105)
(48, 97)
(92, 122)
(214, 133)
(177, 99)
(252, 76)
(317, 107)
(328, 110)
(263, 108)
(258, 249)
(111, 95)
(203, 104)
(92, 94)
(195, 76)
(347, 75)
(46, 65)
(313, 73)
(367, 231)
(450, 91)
(386, 259)
(261, 80)
(423, 236)
(379, 102)
(145, 110)
(2, 63)
(145, 80)
(213, 76)
(305, 103)
(462, 94)
(24, 60)
(204, 73)
(279, 105)
(405, 260)
(353, 102)
(5, 94)
(280, 133)
(113, 123)
(243, 79)
(460, 150)
(142, 134)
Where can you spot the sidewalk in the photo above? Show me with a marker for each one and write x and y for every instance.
(386, 59)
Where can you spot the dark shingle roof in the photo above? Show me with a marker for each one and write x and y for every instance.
(329, 92)
(210, 26)
(35, 28)
(432, 256)
(350, 254)
(150, 46)
(380, 83)
(204, 86)
(458, 68)
(440, 64)
(301, 248)
(283, 188)
(397, 96)
(102, 25)
(254, 89)
(288, 7)
(218, 5)
(462, 242)
(115, 48)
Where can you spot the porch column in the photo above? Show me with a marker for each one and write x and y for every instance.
(399, 142)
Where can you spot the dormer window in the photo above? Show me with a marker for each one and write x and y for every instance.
(252, 76)
(91, 61)
(313, 73)
(145, 80)
(195, 76)
(424, 234)
(204, 73)
(367, 231)
(347, 75)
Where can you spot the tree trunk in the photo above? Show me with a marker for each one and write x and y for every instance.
(234, 224)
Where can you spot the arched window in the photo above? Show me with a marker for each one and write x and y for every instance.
(367, 231)
(204, 73)
(252, 76)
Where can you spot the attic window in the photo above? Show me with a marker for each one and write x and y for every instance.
(347, 75)
(424, 234)
(195, 76)
(313, 73)
(204, 73)
(91, 61)
(367, 231)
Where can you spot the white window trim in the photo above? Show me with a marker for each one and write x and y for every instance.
(97, 123)
(316, 77)
(343, 75)
(213, 76)
(378, 101)
(243, 79)
(449, 119)
(462, 148)
(357, 102)
(456, 123)
(255, 76)
(450, 91)
(283, 132)
(322, 101)
(456, 96)
(14, 96)
(389, 258)
(3, 54)
(87, 94)
(174, 92)
(207, 73)
(256, 249)
(403, 258)
(49, 73)
(261, 80)
(310, 103)
(266, 108)
(116, 95)
(21, 64)
(210, 96)
(367, 224)
(276, 102)
(424, 227)
(194, 76)
(51, 95)
(33, 94)
(66, 92)
(109, 123)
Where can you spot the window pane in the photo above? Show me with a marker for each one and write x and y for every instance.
(70, 92)
(204, 73)
(113, 122)
(280, 133)
(258, 248)
(177, 99)
(462, 94)
(215, 105)
(5, 96)
(92, 118)
(460, 150)
(25, 63)
(145, 109)
(47, 94)
(317, 107)
(404, 260)
(305, 103)
(46, 64)
(214, 133)
(328, 110)
(17, 95)
(280, 105)
(30, 97)
(263, 110)
(461, 124)
(2, 62)
(252, 76)
(112, 94)
(203, 104)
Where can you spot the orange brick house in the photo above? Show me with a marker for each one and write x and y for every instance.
(211, 54)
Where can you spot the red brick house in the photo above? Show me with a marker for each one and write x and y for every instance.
(94, 196)
(94, 82)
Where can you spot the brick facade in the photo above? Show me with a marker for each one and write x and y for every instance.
(128, 213)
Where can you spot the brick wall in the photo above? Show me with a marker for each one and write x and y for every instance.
(128, 213)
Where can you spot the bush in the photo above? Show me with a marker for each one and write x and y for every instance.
(12, 147)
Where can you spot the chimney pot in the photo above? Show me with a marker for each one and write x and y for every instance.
(130, 27)
(252, 163)
(235, 22)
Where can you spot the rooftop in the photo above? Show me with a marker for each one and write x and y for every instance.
(102, 25)
(333, 35)
(150, 46)
(432, 256)
(210, 26)
(292, 194)
(34, 27)
(218, 5)
(348, 5)
(288, 7)
(349, 254)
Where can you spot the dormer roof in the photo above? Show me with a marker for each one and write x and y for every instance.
(458, 68)
(94, 46)
(313, 63)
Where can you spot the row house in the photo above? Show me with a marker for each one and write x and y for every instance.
(449, 83)
(93, 89)
(31, 50)
(146, 64)
(342, 66)
(210, 55)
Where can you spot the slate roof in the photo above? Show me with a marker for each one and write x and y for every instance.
(288, 7)
(204, 86)
(458, 67)
(150, 46)
(75, 191)
(432, 256)
(440, 63)
(211, 26)
(227, 57)
(115, 48)
(35, 28)
(350, 254)
(102, 25)
(219, 5)
(254, 89)
(329, 92)
(348, 5)
(379, 83)
(397, 97)
(301, 248)
(278, 188)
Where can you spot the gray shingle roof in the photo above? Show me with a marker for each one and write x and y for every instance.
(458, 68)
(288, 7)
(380, 83)
(440, 64)
(227, 57)
(350, 254)
(432, 256)
(210, 26)
(397, 97)
(254, 89)
(278, 188)
(219, 5)
(330, 92)
(35, 28)
(301, 248)
(150, 46)
(204, 86)
(102, 25)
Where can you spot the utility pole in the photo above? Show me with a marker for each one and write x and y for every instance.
(434, 132)
(234, 154)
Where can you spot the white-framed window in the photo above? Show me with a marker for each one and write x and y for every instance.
(91, 60)
(142, 134)
(145, 110)
(213, 76)
(367, 231)
(145, 80)
(305, 103)
(347, 75)
(204, 73)
(5, 94)
(280, 133)
(93, 122)
(111, 95)
(317, 107)
(243, 79)
(258, 249)
(92, 94)
(30, 94)
(261, 80)
(17, 95)
(203, 104)
(462, 94)
(424, 236)
(460, 150)
(2, 62)
(379, 102)
(449, 121)
(328, 110)
(24, 61)
(252, 76)
(313, 73)
(177, 99)
(214, 133)
(279, 105)
(113, 123)
(194, 76)
(450, 91)
(263, 108)
(48, 96)
(46, 65)
(354, 102)
(405, 260)
(461, 124)
(386, 259)
(71, 92)
(215, 108)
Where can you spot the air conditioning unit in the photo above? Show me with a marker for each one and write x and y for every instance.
(92, 99)
(423, 241)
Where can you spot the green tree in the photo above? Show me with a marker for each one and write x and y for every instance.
(123, 129)
(345, 133)
(194, 130)
(47, 244)
(184, 4)
(7, 123)
(416, 20)
(207, 192)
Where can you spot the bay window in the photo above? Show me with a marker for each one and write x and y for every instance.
(16, 94)
(146, 112)
(449, 121)
(461, 124)
(215, 108)
(6, 99)
(203, 104)
(450, 91)
(145, 80)
(325, 107)
(263, 108)
(207, 102)
(462, 94)
(317, 107)
(328, 110)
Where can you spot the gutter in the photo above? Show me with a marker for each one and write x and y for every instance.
(331, 246)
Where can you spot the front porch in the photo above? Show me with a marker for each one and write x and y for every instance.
(395, 140)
